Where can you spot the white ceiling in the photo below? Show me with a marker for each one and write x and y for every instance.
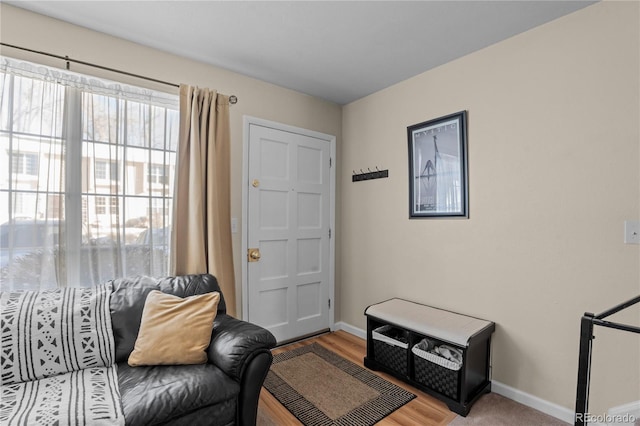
(335, 50)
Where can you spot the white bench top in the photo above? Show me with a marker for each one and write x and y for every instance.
(438, 323)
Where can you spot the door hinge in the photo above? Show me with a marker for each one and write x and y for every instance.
(330, 162)
(329, 232)
(329, 303)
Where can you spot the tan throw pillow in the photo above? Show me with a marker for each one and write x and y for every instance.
(175, 330)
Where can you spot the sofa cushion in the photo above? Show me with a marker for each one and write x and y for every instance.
(222, 413)
(129, 295)
(162, 339)
(50, 332)
(161, 394)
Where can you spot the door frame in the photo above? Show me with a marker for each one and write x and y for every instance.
(247, 121)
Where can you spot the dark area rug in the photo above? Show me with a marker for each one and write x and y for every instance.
(320, 387)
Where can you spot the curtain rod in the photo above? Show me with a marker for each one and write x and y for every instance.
(233, 99)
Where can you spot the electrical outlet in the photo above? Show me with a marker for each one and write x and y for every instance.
(631, 232)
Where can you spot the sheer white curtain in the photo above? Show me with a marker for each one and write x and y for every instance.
(86, 182)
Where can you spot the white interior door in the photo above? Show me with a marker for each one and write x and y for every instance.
(288, 211)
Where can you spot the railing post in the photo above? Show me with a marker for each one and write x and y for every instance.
(584, 369)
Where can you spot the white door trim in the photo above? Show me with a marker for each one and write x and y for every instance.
(247, 121)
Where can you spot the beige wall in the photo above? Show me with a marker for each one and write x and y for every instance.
(256, 98)
(553, 126)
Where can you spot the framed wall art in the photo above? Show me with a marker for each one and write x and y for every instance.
(438, 181)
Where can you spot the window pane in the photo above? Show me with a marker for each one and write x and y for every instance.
(136, 180)
(114, 205)
(38, 107)
(101, 203)
(4, 208)
(158, 214)
(101, 172)
(5, 88)
(158, 135)
(136, 214)
(173, 125)
(158, 173)
(28, 252)
(101, 169)
(5, 159)
(137, 125)
(25, 164)
(100, 113)
(171, 165)
(36, 163)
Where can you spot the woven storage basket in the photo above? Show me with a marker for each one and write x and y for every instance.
(390, 348)
(436, 372)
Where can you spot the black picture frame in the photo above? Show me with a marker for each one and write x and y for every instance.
(438, 168)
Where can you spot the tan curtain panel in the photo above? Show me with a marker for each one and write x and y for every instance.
(201, 236)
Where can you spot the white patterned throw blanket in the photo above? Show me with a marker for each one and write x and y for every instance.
(57, 358)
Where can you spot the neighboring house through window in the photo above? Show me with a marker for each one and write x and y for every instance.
(158, 174)
(25, 164)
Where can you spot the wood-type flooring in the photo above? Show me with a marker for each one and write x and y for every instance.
(423, 410)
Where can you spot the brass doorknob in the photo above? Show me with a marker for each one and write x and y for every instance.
(253, 254)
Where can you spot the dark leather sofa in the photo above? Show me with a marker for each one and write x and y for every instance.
(224, 391)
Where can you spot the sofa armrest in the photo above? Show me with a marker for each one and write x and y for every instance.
(234, 343)
(242, 351)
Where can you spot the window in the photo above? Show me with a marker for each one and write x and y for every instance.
(25, 164)
(101, 170)
(101, 205)
(23, 203)
(158, 174)
(85, 210)
(157, 207)
(106, 170)
(84, 186)
(114, 205)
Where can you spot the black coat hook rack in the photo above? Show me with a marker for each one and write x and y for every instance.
(368, 175)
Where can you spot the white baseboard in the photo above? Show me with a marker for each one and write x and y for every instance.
(624, 414)
(632, 408)
(524, 398)
(350, 329)
(542, 405)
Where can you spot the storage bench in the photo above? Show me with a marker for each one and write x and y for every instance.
(442, 353)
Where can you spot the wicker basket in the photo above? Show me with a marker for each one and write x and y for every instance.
(436, 372)
(390, 348)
